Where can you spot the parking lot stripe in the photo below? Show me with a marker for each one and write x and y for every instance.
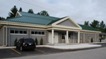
(41, 51)
(16, 51)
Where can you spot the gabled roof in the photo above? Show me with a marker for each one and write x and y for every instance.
(84, 27)
(34, 19)
(41, 20)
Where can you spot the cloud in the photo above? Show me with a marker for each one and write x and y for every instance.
(79, 11)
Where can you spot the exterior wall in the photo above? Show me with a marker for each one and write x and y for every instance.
(12, 37)
(39, 37)
(67, 23)
(1, 36)
(87, 37)
(56, 38)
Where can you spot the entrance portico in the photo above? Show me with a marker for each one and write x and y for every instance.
(63, 36)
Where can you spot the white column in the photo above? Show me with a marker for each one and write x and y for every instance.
(67, 39)
(3, 36)
(78, 36)
(84, 38)
(52, 37)
(6, 35)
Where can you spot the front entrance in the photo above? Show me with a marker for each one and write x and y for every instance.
(62, 37)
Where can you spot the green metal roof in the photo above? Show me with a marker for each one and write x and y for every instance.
(84, 27)
(34, 19)
(41, 20)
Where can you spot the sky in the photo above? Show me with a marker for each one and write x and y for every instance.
(77, 10)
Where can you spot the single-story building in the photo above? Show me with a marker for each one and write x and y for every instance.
(52, 30)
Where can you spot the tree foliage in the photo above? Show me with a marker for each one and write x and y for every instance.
(86, 23)
(20, 10)
(30, 11)
(102, 26)
(13, 12)
(36, 41)
(95, 24)
(41, 41)
(44, 13)
(2, 18)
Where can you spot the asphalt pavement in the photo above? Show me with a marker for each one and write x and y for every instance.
(14, 53)
(98, 53)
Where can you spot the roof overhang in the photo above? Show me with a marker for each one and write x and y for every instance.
(21, 24)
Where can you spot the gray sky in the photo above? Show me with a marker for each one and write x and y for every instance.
(78, 10)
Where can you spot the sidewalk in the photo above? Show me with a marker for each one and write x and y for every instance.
(3, 47)
(64, 46)
(72, 47)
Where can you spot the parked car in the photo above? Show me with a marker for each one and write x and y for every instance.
(26, 43)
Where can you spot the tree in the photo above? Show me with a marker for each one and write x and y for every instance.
(20, 10)
(98, 25)
(95, 24)
(86, 23)
(13, 12)
(102, 25)
(2, 18)
(105, 30)
(30, 11)
(44, 13)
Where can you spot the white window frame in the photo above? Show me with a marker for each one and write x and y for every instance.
(18, 33)
(37, 34)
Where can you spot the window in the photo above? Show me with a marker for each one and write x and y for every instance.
(12, 31)
(21, 32)
(18, 32)
(32, 32)
(25, 32)
(37, 32)
(42, 33)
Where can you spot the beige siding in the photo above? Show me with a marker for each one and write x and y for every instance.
(85, 37)
(1, 36)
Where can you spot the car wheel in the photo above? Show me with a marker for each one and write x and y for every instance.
(21, 48)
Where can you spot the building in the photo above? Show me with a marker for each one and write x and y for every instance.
(52, 30)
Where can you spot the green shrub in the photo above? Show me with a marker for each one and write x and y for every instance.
(36, 41)
(41, 41)
(15, 42)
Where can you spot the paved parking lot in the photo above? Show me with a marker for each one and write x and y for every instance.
(10, 53)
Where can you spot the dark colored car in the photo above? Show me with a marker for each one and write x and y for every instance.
(25, 43)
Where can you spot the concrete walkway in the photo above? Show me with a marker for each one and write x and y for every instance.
(73, 46)
(4, 47)
(63, 46)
